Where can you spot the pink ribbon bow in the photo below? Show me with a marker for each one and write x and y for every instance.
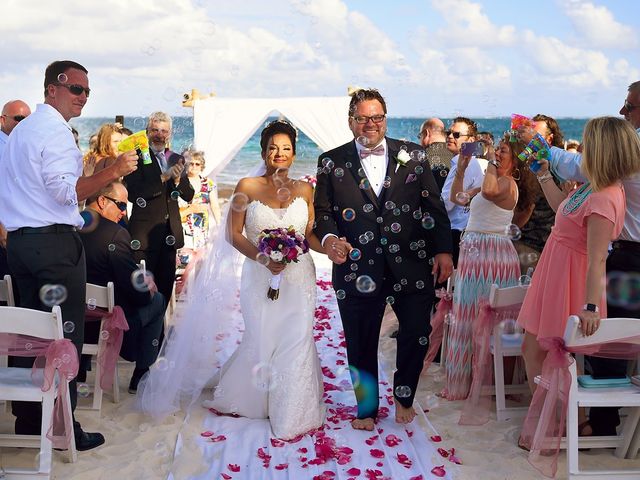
(114, 326)
(365, 152)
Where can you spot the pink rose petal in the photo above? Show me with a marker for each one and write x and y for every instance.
(233, 467)
(436, 438)
(226, 476)
(277, 443)
(219, 438)
(208, 433)
(371, 440)
(392, 440)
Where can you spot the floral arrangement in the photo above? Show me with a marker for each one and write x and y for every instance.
(280, 245)
(309, 179)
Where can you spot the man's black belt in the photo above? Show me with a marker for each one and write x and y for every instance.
(57, 228)
(627, 245)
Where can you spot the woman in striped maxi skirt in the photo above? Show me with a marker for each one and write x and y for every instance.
(487, 254)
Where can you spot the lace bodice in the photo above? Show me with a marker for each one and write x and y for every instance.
(260, 216)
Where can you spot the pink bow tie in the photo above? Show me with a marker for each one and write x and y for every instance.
(365, 152)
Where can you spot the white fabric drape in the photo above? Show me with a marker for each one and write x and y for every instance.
(223, 125)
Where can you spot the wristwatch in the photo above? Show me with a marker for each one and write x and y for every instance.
(494, 162)
(590, 307)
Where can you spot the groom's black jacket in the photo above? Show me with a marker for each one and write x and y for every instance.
(412, 184)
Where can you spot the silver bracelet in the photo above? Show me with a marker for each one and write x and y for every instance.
(545, 177)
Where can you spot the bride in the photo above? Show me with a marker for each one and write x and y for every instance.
(275, 371)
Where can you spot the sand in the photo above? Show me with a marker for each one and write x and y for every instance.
(136, 448)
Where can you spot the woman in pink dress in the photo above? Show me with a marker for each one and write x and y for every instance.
(570, 275)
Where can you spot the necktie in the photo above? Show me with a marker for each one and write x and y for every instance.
(365, 152)
(162, 161)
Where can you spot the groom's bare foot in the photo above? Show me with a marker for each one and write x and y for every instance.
(363, 424)
(404, 414)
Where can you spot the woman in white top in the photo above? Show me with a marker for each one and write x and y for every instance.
(487, 254)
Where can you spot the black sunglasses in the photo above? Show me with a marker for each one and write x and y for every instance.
(75, 89)
(629, 107)
(122, 206)
(16, 118)
(456, 135)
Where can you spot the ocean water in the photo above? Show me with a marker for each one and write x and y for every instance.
(306, 151)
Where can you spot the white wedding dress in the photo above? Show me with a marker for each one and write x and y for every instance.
(275, 371)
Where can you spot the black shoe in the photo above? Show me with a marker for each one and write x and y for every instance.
(88, 440)
(138, 373)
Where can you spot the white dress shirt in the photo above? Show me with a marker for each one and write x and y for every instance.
(566, 166)
(38, 173)
(3, 141)
(375, 166)
(473, 176)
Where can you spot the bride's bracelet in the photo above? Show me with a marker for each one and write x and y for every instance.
(545, 177)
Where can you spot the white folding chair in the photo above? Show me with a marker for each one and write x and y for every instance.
(16, 385)
(6, 291)
(445, 327)
(6, 296)
(504, 345)
(102, 297)
(610, 329)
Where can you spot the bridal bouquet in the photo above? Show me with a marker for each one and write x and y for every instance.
(281, 245)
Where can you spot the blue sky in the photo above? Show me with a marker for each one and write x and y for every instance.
(441, 57)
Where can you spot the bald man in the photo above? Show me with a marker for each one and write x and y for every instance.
(434, 141)
(13, 113)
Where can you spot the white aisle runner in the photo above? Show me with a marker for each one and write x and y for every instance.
(241, 448)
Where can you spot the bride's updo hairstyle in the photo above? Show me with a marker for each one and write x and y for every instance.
(275, 127)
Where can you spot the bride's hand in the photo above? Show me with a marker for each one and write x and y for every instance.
(275, 267)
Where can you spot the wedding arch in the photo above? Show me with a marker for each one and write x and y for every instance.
(221, 126)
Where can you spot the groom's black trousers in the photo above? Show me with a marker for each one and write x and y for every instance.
(362, 318)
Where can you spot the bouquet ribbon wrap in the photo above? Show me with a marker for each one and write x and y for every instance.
(274, 287)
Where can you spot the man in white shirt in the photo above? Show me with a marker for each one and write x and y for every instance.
(13, 113)
(623, 262)
(462, 130)
(40, 187)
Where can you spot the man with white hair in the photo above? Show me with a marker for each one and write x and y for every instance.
(154, 189)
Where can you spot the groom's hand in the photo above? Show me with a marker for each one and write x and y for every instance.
(442, 266)
(337, 249)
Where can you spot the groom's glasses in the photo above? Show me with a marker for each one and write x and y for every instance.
(362, 119)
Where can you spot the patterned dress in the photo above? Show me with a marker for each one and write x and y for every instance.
(196, 225)
(487, 256)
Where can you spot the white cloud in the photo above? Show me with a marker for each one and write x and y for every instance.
(597, 26)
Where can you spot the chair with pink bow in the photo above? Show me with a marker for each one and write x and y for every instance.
(6, 296)
(495, 334)
(554, 408)
(440, 319)
(32, 333)
(101, 307)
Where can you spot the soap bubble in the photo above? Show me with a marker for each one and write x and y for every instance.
(349, 214)
(463, 197)
(141, 202)
(513, 232)
(423, 341)
(364, 184)
(431, 402)
(140, 279)
(365, 284)
(362, 140)
(239, 202)
(262, 258)
(355, 254)
(340, 294)
(135, 244)
(111, 247)
(91, 220)
(390, 300)
(68, 327)
(104, 335)
(327, 162)
(524, 280)
(389, 205)
(170, 240)
(283, 194)
(83, 390)
(510, 330)
(396, 227)
(52, 294)
(261, 375)
(91, 304)
(367, 208)
(175, 195)
(402, 391)
(428, 222)
(339, 172)
(419, 284)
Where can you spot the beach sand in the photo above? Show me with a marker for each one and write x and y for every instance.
(137, 448)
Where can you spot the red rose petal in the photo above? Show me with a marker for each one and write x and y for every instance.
(436, 438)
(282, 466)
(375, 453)
(277, 443)
(226, 476)
(208, 433)
(439, 471)
(354, 471)
(233, 467)
(443, 452)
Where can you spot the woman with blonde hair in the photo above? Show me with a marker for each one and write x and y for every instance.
(570, 276)
(106, 149)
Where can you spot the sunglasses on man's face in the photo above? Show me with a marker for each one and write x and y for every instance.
(75, 89)
(630, 107)
(122, 206)
(455, 135)
(16, 118)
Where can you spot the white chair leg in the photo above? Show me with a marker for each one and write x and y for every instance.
(635, 444)
(44, 464)
(116, 385)
(72, 453)
(572, 438)
(498, 369)
(631, 425)
(97, 390)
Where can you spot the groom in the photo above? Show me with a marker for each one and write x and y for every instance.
(380, 217)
